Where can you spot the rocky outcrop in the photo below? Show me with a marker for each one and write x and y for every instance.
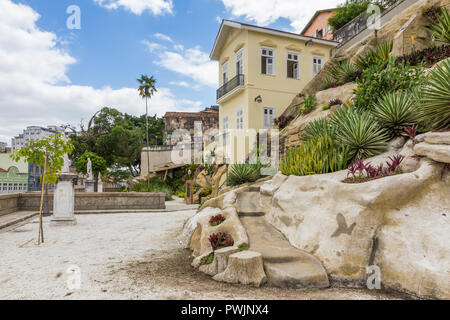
(290, 136)
(399, 223)
(436, 146)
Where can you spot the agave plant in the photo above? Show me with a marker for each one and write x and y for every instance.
(434, 98)
(394, 111)
(384, 50)
(440, 28)
(316, 156)
(360, 132)
(317, 128)
(342, 72)
(243, 173)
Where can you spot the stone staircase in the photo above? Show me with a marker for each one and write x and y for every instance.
(285, 266)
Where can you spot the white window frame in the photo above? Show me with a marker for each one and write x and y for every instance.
(314, 64)
(268, 56)
(273, 117)
(240, 119)
(225, 128)
(298, 63)
(240, 58)
(226, 71)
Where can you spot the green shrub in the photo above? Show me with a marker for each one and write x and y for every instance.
(374, 56)
(309, 104)
(181, 194)
(155, 185)
(347, 12)
(206, 191)
(342, 72)
(326, 107)
(440, 29)
(360, 132)
(434, 98)
(243, 247)
(395, 111)
(315, 156)
(318, 128)
(382, 78)
(243, 173)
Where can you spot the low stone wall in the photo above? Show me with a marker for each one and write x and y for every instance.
(9, 203)
(86, 201)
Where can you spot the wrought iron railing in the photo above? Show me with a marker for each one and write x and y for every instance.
(230, 85)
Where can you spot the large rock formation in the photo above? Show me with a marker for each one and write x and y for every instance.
(399, 223)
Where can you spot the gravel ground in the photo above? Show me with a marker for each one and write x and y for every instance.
(123, 256)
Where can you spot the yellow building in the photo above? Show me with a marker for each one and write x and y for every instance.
(260, 72)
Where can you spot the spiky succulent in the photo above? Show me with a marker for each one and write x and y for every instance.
(434, 98)
(440, 29)
(360, 132)
(395, 111)
(243, 173)
(317, 128)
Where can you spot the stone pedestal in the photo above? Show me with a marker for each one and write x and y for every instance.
(64, 201)
(100, 186)
(89, 186)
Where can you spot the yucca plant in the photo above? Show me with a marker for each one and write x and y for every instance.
(384, 50)
(366, 60)
(317, 128)
(342, 72)
(440, 29)
(243, 173)
(395, 111)
(315, 156)
(360, 132)
(434, 98)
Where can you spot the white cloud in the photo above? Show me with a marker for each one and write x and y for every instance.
(265, 12)
(192, 63)
(162, 36)
(157, 7)
(153, 46)
(34, 87)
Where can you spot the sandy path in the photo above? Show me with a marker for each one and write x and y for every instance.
(123, 256)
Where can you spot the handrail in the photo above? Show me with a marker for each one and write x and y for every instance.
(230, 85)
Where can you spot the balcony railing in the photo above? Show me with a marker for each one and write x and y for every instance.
(230, 85)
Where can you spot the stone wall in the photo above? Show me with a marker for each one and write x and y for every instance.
(86, 201)
(9, 203)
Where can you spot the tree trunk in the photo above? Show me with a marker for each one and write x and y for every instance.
(41, 230)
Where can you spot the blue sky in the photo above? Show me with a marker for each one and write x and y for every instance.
(53, 75)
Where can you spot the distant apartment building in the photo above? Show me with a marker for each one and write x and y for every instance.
(3, 146)
(13, 175)
(32, 133)
(206, 119)
(318, 26)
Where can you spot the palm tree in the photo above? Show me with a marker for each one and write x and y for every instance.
(146, 90)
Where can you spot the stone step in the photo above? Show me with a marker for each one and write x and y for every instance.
(248, 204)
(285, 266)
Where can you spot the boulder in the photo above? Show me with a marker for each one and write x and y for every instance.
(199, 242)
(437, 152)
(244, 267)
(209, 269)
(268, 189)
(399, 223)
(191, 224)
(438, 138)
(203, 179)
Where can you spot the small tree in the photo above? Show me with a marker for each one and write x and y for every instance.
(98, 164)
(48, 153)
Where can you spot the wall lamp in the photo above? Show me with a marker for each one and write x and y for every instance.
(309, 43)
(258, 99)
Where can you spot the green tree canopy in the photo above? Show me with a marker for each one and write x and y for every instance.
(118, 138)
(55, 146)
(98, 163)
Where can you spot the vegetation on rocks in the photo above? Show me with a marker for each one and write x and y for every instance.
(242, 173)
(309, 104)
(434, 98)
(216, 220)
(360, 171)
(315, 156)
(359, 132)
(440, 26)
(220, 240)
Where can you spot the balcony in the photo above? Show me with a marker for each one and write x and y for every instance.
(228, 87)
